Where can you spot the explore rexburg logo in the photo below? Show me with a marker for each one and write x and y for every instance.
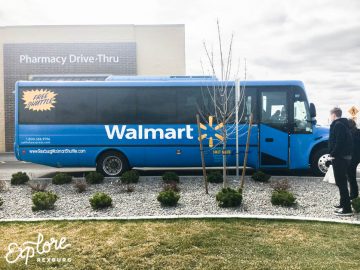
(39, 247)
(39, 99)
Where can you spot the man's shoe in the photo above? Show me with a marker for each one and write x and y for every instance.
(337, 206)
(343, 213)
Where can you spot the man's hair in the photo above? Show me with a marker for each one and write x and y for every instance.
(337, 111)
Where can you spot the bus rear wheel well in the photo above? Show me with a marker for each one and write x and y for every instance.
(114, 154)
(319, 159)
(316, 148)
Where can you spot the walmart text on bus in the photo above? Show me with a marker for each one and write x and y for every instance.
(148, 133)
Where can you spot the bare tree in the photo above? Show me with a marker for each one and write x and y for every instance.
(219, 115)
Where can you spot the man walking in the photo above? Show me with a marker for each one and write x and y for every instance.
(340, 149)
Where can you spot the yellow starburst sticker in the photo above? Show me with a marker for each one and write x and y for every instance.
(39, 100)
(217, 127)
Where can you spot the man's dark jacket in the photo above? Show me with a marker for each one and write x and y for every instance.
(340, 140)
(355, 132)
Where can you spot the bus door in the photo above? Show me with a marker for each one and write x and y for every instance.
(301, 129)
(273, 128)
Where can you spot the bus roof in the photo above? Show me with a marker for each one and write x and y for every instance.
(160, 78)
(107, 77)
(133, 81)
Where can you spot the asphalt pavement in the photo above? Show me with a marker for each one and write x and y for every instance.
(9, 165)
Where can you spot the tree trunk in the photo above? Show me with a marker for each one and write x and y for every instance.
(246, 152)
(225, 184)
(202, 155)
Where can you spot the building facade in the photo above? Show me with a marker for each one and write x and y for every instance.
(78, 50)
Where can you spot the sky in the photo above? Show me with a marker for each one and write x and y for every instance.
(315, 41)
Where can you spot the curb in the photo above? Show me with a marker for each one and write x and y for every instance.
(232, 178)
(174, 217)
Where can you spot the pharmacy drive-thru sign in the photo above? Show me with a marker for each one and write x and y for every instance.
(25, 59)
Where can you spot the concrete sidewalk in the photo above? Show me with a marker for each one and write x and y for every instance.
(174, 217)
(8, 156)
(10, 165)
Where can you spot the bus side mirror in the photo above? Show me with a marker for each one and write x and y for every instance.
(312, 110)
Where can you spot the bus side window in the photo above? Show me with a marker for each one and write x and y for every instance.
(247, 105)
(156, 105)
(302, 119)
(274, 108)
(205, 103)
(116, 106)
(189, 102)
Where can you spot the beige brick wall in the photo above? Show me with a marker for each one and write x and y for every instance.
(160, 48)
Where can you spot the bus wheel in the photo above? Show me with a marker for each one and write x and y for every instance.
(112, 163)
(320, 162)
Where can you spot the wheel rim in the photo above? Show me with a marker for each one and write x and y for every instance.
(112, 165)
(324, 163)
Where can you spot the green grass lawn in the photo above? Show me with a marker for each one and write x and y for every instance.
(191, 244)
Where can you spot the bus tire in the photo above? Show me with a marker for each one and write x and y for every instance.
(320, 162)
(112, 164)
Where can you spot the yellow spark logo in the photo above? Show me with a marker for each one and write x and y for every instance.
(217, 127)
(39, 100)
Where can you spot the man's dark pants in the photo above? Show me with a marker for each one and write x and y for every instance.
(354, 190)
(340, 167)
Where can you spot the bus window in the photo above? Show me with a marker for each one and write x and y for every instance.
(209, 96)
(156, 105)
(189, 102)
(73, 106)
(302, 119)
(76, 106)
(274, 108)
(116, 106)
(247, 105)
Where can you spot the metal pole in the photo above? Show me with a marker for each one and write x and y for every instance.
(246, 151)
(202, 154)
(237, 100)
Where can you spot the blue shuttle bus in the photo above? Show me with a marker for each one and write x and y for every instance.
(124, 122)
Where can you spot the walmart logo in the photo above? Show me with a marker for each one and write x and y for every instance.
(144, 133)
(211, 130)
